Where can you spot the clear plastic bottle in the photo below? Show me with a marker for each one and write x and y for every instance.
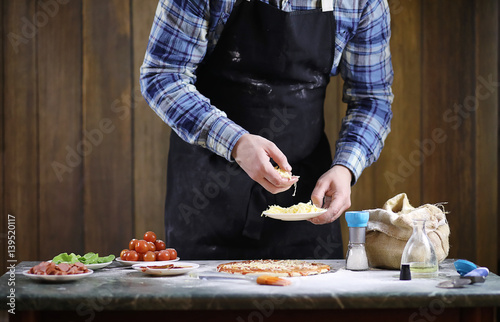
(419, 253)
(356, 259)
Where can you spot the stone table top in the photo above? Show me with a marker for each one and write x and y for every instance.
(119, 287)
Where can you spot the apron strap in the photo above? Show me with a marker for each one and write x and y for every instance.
(327, 5)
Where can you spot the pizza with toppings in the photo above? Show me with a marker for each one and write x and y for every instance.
(274, 267)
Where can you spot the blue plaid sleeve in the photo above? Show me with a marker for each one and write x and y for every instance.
(177, 44)
(367, 71)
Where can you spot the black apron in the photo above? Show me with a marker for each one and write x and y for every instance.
(268, 72)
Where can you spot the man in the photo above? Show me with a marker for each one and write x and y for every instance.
(244, 81)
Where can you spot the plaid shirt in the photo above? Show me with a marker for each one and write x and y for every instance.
(184, 32)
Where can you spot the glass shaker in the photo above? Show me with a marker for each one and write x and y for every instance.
(419, 252)
(356, 259)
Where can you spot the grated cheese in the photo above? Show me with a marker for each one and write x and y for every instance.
(287, 175)
(300, 208)
(283, 173)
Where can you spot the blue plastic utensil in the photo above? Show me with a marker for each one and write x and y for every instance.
(480, 271)
(464, 266)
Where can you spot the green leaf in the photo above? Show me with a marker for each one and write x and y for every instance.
(106, 259)
(65, 258)
(89, 258)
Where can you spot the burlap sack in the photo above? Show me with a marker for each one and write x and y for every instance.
(390, 228)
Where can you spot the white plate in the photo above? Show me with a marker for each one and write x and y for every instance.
(98, 265)
(57, 278)
(130, 263)
(295, 217)
(183, 268)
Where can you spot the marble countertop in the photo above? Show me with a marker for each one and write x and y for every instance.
(121, 288)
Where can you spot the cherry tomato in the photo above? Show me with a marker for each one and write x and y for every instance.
(163, 255)
(131, 244)
(132, 255)
(151, 247)
(173, 253)
(141, 246)
(160, 244)
(141, 256)
(150, 236)
(149, 257)
(123, 254)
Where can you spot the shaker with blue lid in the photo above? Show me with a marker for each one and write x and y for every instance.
(356, 259)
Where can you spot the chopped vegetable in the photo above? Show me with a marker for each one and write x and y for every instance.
(272, 280)
(89, 258)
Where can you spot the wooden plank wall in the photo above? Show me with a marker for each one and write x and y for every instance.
(449, 84)
(486, 137)
(107, 122)
(84, 158)
(20, 130)
(457, 101)
(3, 222)
(59, 80)
(151, 136)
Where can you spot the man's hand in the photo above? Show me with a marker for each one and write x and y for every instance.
(253, 152)
(332, 191)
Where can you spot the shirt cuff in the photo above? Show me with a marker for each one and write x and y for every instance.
(352, 157)
(223, 135)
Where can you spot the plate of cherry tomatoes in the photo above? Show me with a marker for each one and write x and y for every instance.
(149, 249)
(130, 263)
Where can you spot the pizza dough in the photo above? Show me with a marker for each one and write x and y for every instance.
(274, 267)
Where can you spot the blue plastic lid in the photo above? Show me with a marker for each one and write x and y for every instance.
(480, 271)
(357, 218)
(464, 266)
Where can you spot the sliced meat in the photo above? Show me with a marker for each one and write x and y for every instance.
(64, 267)
(49, 268)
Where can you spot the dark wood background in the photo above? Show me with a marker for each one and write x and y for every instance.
(70, 73)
